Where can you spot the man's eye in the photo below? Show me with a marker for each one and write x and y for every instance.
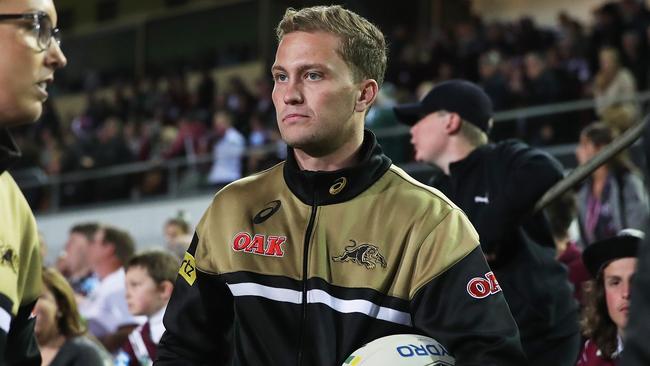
(280, 77)
(314, 76)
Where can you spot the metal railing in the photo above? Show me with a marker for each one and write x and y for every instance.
(35, 178)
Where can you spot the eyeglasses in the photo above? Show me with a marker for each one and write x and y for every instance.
(41, 25)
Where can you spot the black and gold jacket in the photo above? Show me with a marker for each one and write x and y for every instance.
(20, 266)
(291, 267)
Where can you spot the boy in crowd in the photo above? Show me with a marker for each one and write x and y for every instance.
(149, 283)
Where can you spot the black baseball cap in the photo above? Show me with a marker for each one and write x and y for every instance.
(459, 96)
(597, 255)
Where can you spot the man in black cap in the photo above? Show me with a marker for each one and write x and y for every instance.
(497, 185)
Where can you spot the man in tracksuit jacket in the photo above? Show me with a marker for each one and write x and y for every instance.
(30, 55)
(306, 262)
(497, 185)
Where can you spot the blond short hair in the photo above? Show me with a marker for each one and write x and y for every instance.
(363, 46)
(474, 135)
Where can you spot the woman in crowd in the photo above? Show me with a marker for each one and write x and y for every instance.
(613, 197)
(614, 85)
(59, 330)
(612, 262)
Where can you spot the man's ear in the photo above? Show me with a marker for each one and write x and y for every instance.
(166, 288)
(453, 123)
(369, 91)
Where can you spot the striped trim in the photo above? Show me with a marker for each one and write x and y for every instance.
(321, 297)
(5, 320)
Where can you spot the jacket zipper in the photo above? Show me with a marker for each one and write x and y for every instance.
(305, 258)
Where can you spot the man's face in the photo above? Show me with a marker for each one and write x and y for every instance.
(25, 70)
(617, 277)
(97, 249)
(585, 150)
(76, 249)
(314, 93)
(429, 137)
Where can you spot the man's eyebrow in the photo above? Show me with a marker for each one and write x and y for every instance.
(302, 68)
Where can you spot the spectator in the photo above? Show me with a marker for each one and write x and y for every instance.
(613, 197)
(613, 84)
(178, 234)
(150, 280)
(611, 263)
(74, 263)
(105, 309)
(227, 151)
(497, 185)
(561, 214)
(60, 331)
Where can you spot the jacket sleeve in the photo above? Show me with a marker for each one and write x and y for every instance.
(18, 346)
(525, 176)
(198, 318)
(636, 202)
(460, 304)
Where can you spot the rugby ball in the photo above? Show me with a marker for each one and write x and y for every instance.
(401, 350)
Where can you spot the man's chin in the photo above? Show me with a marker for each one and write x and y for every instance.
(18, 119)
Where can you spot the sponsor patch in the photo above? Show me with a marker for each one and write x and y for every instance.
(271, 208)
(366, 255)
(188, 269)
(482, 287)
(266, 245)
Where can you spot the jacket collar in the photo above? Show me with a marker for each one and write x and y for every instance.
(461, 166)
(9, 152)
(326, 188)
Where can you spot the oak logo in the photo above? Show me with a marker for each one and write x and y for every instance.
(270, 246)
(482, 287)
(188, 269)
(271, 208)
(364, 255)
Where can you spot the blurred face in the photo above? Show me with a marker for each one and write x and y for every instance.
(46, 311)
(143, 295)
(617, 277)
(429, 137)
(25, 70)
(607, 60)
(76, 249)
(172, 232)
(314, 93)
(585, 150)
(98, 250)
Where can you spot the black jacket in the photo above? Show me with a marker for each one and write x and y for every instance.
(290, 267)
(497, 186)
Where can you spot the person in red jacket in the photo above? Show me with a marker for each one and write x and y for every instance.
(612, 262)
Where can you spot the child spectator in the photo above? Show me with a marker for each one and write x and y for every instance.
(149, 283)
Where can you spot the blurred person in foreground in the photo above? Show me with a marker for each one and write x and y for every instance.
(60, 331)
(105, 309)
(612, 264)
(309, 260)
(149, 283)
(497, 186)
(30, 55)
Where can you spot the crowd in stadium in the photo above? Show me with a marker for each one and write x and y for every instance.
(519, 64)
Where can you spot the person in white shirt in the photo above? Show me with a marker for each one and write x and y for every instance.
(228, 151)
(105, 309)
(150, 280)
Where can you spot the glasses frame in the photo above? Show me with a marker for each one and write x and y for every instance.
(44, 41)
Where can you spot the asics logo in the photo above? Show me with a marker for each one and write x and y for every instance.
(272, 207)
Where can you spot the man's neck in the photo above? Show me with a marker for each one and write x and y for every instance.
(345, 156)
(457, 151)
(105, 269)
(80, 273)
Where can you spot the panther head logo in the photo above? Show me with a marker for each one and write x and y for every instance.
(364, 255)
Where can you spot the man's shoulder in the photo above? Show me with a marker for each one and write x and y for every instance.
(258, 182)
(409, 190)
